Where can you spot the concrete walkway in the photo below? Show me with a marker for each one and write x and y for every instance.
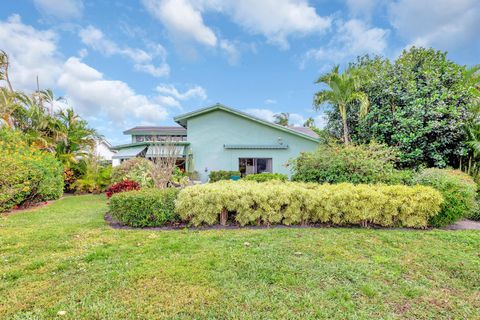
(465, 225)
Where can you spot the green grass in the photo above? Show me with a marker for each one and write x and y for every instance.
(64, 257)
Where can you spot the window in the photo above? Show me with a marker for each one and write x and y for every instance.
(254, 165)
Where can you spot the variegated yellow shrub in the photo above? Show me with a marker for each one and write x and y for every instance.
(274, 202)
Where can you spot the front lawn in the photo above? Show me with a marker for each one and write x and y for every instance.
(64, 258)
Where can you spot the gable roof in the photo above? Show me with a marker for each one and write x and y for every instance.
(182, 120)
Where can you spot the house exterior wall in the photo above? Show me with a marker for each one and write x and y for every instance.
(209, 132)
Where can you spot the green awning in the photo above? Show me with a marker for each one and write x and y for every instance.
(164, 151)
(128, 153)
(255, 146)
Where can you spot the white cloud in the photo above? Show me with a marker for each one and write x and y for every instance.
(143, 60)
(65, 9)
(232, 52)
(276, 20)
(444, 24)
(182, 20)
(32, 53)
(197, 92)
(352, 38)
(91, 93)
(363, 8)
(270, 101)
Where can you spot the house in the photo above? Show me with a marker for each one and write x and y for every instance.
(221, 138)
(103, 150)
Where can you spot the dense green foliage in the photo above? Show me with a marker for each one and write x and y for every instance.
(290, 203)
(27, 174)
(419, 103)
(136, 169)
(458, 190)
(144, 208)
(95, 178)
(222, 175)
(334, 163)
(266, 176)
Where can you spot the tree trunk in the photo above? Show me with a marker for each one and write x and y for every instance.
(346, 138)
(223, 217)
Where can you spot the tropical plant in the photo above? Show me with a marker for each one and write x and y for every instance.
(96, 177)
(342, 93)
(459, 192)
(282, 118)
(336, 163)
(266, 176)
(222, 175)
(275, 202)
(144, 208)
(136, 169)
(122, 186)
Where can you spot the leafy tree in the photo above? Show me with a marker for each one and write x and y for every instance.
(341, 92)
(419, 103)
(282, 119)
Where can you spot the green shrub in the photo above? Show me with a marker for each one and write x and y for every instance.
(458, 190)
(27, 174)
(262, 177)
(222, 175)
(136, 169)
(144, 208)
(332, 163)
(96, 177)
(275, 202)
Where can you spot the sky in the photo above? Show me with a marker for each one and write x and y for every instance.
(121, 64)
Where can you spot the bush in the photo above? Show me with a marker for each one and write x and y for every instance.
(222, 175)
(136, 169)
(144, 208)
(373, 163)
(122, 186)
(458, 190)
(27, 174)
(275, 202)
(262, 177)
(95, 178)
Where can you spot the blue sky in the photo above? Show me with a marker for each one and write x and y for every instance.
(127, 63)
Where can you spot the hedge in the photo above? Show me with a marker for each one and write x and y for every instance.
(332, 163)
(459, 192)
(144, 208)
(274, 202)
(122, 186)
(135, 169)
(27, 174)
(262, 177)
(222, 175)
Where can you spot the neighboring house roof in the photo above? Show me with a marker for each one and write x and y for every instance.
(182, 120)
(147, 143)
(305, 130)
(170, 130)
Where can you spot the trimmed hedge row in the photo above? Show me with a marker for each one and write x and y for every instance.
(274, 202)
(262, 177)
(144, 208)
(459, 192)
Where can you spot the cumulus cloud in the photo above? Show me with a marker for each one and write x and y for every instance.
(276, 20)
(352, 38)
(32, 53)
(143, 60)
(65, 9)
(91, 93)
(182, 20)
(196, 92)
(444, 24)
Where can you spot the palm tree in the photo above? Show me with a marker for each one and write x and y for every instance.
(309, 123)
(282, 118)
(341, 92)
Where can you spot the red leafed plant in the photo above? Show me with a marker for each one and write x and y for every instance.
(122, 186)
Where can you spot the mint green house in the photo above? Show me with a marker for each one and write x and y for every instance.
(222, 138)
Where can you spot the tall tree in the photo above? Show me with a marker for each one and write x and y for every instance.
(309, 123)
(282, 118)
(342, 92)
